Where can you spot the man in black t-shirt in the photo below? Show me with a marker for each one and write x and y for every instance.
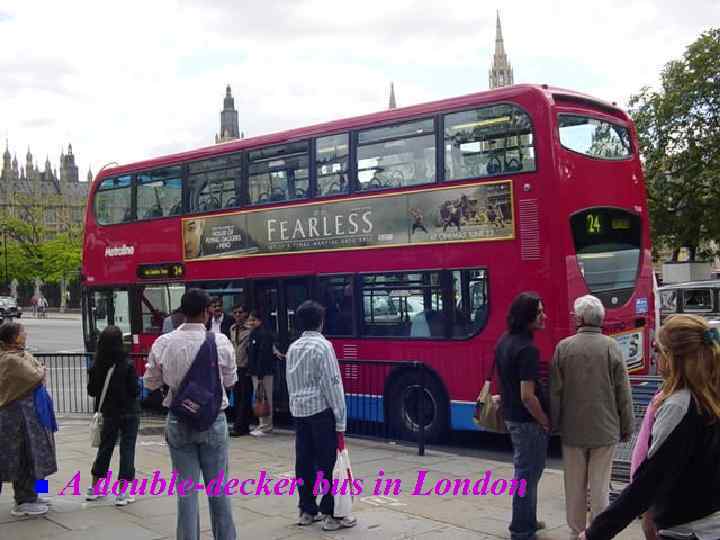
(524, 408)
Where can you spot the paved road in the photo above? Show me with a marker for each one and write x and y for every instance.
(53, 335)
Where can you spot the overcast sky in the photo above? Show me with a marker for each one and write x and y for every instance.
(129, 80)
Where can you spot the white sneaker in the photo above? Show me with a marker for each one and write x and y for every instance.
(334, 524)
(257, 433)
(29, 509)
(47, 501)
(124, 500)
(92, 496)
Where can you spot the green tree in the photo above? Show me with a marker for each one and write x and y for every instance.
(24, 240)
(61, 257)
(679, 134)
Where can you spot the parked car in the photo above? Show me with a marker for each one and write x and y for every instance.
(696, 297)
(9, 308)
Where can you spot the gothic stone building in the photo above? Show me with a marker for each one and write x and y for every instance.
(58, 200)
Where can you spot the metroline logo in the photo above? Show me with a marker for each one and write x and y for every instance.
(119, 251)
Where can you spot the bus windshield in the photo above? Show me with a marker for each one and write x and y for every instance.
(607, 244)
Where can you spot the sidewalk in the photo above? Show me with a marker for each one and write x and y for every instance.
(28, 315)
(397, 516)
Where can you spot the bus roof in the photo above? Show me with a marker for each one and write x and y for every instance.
(499, 94)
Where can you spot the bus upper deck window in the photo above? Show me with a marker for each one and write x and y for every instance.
(397, 156)
(487, 142)
(113, 201)
(593, 137)
(279, 173)
(159, 193)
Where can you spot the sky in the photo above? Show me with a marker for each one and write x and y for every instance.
(125, 81)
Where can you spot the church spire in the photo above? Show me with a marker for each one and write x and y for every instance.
(392, 104)
(499, 44)
(229, 125)
(501, 73)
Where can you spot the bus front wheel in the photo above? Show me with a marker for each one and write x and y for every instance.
(416, 400)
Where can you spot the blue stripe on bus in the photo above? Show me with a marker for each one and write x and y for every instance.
(367, 407)
(370, 408)
(461, 417)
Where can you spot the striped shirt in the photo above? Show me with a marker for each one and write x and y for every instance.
(172, 355)
(313, 379)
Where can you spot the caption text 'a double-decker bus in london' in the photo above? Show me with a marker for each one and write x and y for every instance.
(414, 227)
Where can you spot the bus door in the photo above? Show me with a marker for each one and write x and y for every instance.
(102, 308)
(277, 301)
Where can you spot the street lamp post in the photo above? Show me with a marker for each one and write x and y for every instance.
(4, 233)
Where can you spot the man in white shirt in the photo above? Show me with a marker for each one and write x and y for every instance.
(218, 321)
(317, 402)
(191, 451)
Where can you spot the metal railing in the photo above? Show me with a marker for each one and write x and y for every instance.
(385, 399)
(643, 390)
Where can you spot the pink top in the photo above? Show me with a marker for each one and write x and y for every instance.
(642, 444)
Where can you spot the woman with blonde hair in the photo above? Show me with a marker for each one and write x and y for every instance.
(679, 480)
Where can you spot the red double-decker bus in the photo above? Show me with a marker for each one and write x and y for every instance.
(415, 227)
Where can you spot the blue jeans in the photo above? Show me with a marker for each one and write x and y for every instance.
(529, 442)
(192, 452)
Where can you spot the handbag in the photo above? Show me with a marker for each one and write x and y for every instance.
(261, 407)
(97, 421)
(343, 479)
(488, 412)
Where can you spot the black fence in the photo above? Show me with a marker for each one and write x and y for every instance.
(643, 390)
(66, 380)
(385, 399)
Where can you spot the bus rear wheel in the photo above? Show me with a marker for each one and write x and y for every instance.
(412, 404)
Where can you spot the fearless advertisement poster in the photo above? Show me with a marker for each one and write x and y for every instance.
(440, 215)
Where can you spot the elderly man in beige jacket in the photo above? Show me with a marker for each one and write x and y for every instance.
(591, 407)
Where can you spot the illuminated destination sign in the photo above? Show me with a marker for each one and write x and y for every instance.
(161, 271)
(465, 213)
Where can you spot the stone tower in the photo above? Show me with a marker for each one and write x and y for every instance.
(229, 127)
(501, 73)
(7, 158)
(68, 170)
(29, 168)
(392, 103)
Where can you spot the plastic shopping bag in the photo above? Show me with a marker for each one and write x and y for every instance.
(342, 478)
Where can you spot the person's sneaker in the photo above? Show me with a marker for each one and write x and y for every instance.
(29, 509)
(306, 519)
(92, 496)
(334, 524)
(47, 501)
(257, 433)
(124, 500)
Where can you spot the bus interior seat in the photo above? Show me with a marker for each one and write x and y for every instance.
(278, 194)
(155, 211)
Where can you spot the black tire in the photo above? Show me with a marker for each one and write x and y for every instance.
(402, 411)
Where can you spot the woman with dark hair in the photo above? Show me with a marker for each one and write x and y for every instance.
(120, 409)
(517, 361)
(27, 422)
